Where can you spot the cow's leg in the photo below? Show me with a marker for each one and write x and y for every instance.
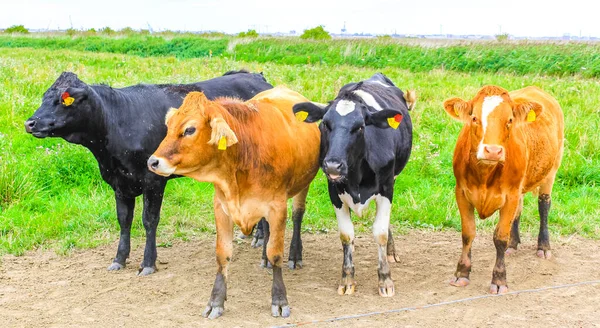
(264, 263)
(515, 238)
(391, 248)
(467, 220)
(216, 303)
(295, 258)
(277, 217)
(346, 228)
(259, 235)
(152, 202)
(501, 237)
(380, 232)
(544, 202)
(125, 207)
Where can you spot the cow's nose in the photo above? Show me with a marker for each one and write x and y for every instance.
(333, 169)
(153, 163)
(493, 152)
(29, 124)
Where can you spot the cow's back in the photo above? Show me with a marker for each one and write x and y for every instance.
(545, 136)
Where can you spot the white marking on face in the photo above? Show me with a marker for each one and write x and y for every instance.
(382, 218)
(345, 107)
(344, 220)
(368, 99)
(489, 104)
(164, 168)
(379, 82)
(356, 208)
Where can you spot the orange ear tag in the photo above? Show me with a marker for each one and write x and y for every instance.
(222, 143)
(394, 122)
(301, 116)
(531, 116)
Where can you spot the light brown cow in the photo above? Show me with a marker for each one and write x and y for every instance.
(511, 144)
(257, 155)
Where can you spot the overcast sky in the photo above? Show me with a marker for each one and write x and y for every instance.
(517, 17)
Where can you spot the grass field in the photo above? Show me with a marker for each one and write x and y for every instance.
(51, 193)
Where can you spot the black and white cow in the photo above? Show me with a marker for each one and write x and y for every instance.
(122, 128)
(361, 157)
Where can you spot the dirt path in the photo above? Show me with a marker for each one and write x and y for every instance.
(42, 289)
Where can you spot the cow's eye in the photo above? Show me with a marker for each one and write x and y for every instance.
(327, 126)
(474, 119)
(189, 131)
(510, 120)
(357, 129)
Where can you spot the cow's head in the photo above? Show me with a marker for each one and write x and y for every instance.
(491, 117)
(343, 130)
(65, 106)
(195, 133)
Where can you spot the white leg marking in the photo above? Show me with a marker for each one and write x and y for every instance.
(345, 107)
(344, 221)
(368, 98)
(382, 218)
(489, 104)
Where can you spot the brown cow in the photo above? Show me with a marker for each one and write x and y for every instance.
(511, 144)
(257, 155)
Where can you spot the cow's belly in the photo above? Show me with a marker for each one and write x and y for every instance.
(486, 202)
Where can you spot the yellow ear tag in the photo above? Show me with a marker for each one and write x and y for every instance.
(456, 112)
(392, 122)
(68, 101)
(222, 143)
(301, 116)
(531, 116)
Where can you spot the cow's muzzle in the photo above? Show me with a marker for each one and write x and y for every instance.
(491, 153)
(37, 129)
(335, 170)
(160, 166)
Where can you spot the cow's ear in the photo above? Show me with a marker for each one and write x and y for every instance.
(71, 96)
(527, 111)
(386, 118)
(457, 108)
(221, 134)
(309, 112)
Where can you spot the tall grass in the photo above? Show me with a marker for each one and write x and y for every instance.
(540, 58)
(60, 201)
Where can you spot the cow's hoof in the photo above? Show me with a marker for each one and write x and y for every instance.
(495, 289)
(115, 266)
(386, 288)
(213, 312)
(393, 258)
(280, 310)
(347, 289)
(510, 251)
(257, 242)
(146, 271)
(544, 254)
(459, 282)
(294, 264)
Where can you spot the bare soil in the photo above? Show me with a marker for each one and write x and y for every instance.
(43, 289)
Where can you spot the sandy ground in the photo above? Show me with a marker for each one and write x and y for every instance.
(42, 289)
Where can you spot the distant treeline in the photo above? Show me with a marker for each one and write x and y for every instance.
(517, 58)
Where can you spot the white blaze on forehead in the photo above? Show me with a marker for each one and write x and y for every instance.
(489, 104)
(368, 99)
(345, 107)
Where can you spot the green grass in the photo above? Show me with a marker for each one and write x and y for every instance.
(51, 193)
(542, 58)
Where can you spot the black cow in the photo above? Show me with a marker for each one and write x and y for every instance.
(361, 158)
(122, 128)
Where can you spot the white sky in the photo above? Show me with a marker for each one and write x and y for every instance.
(518, 17)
